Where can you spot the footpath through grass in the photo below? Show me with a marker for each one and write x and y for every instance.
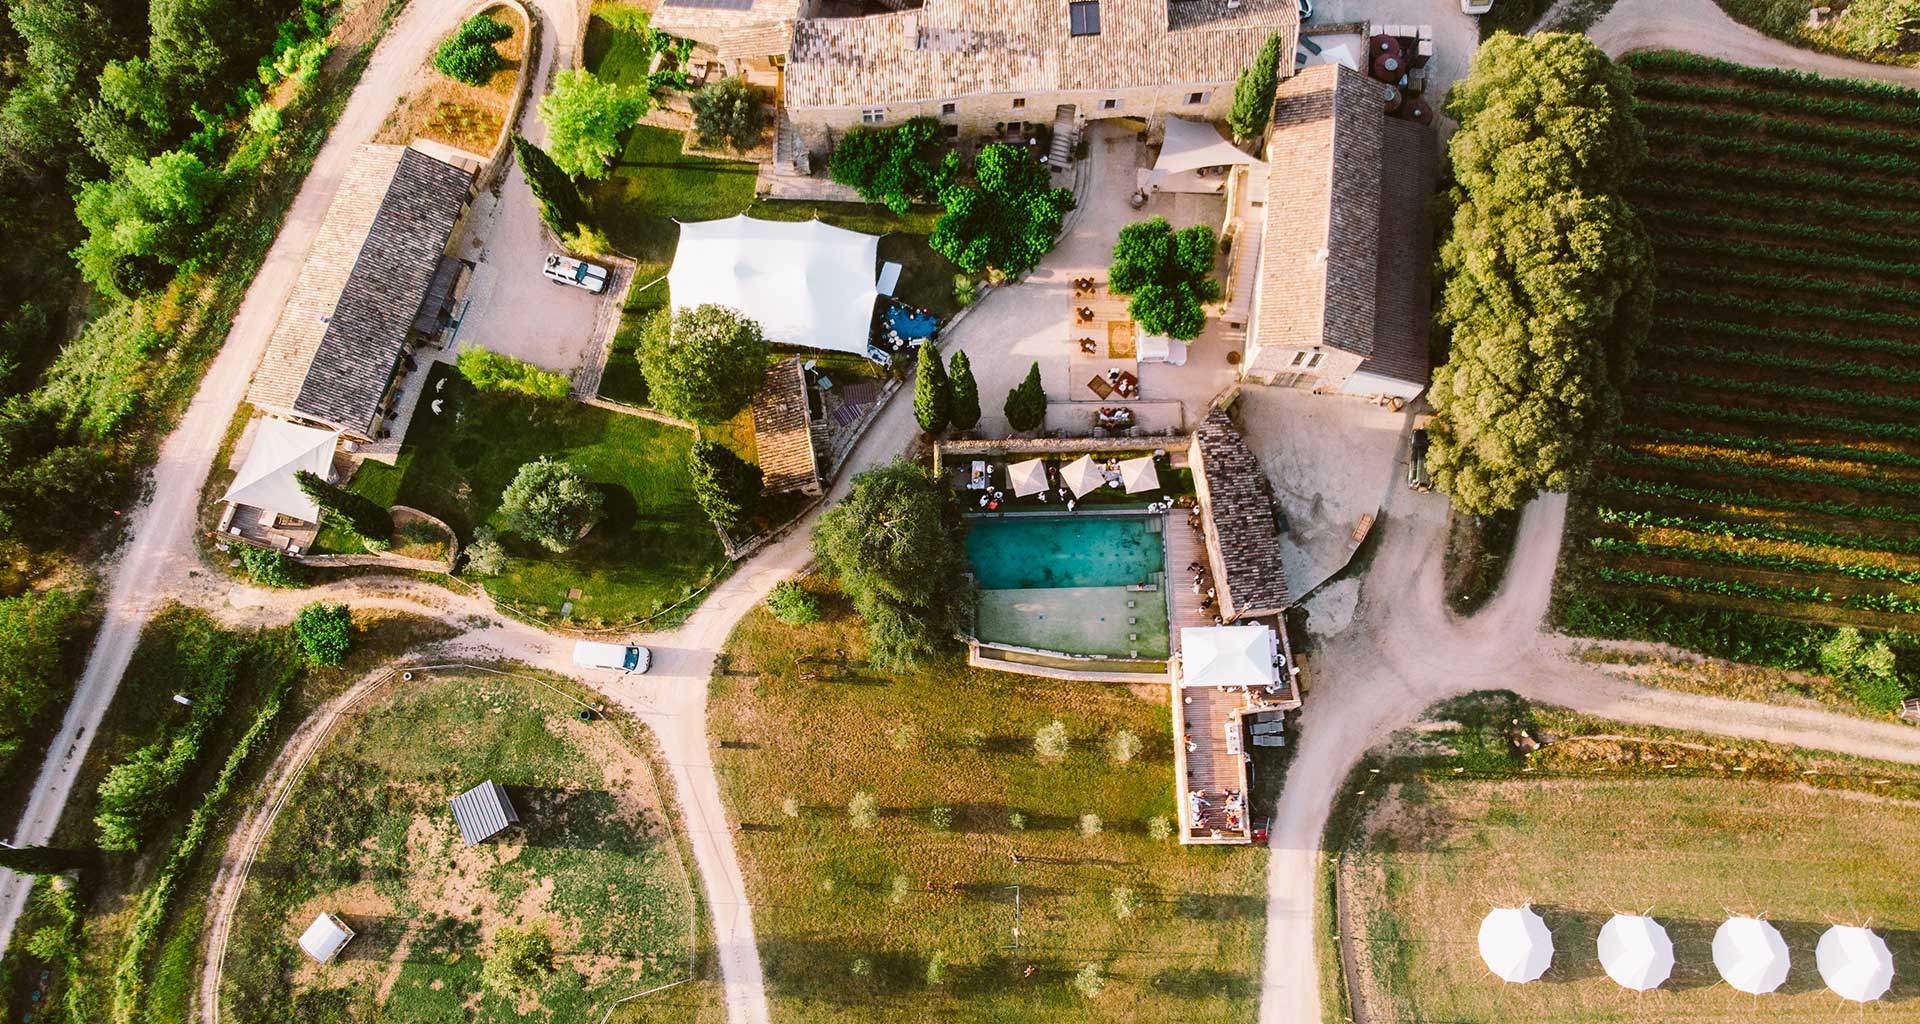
(913, 918)
(367, 835)
(654, 545)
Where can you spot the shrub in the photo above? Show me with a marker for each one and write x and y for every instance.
(932, 391)
(860, 967)
(971, 739)
(937, 967)
(1026, 405)
(1005, 219)
(1868, 667)
(271, 568)
(703, 364)
(562, 207)
(35, 629)
(1126, 902)
(896, 166)
(793, 604)
(1016, 821)
(367, 518)
(1123, 746)
(863, 812)
(1051, 740)
(485, 556)
(940, 819)
(790, 807)
(325, 632)
(469, 55)
(1159, 828)
(900, 737)
(587, 241)
(726, 485)
(518, 960)
(964, 290)
(488, 370)
(551, 504)
(901, 886)
(1090, 981)
(728, 110)
(1091, 825)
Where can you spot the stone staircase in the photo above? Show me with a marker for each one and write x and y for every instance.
(1065, 134)
(790, 155)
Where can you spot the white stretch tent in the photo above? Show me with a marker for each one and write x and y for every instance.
(1157, 349)
(1750, 954)
(1138, 475)
(1515, 944)
(1228, 656)
(324, 937)
(805, 283)
(1855, 963)
(1029, 477)
(1636, 951)
(1189, 146)
(280, 450)
(1083, 476)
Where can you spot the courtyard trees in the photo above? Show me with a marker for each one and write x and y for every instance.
(1169, 275)
(703, 364)
(1026, 406)
(896, 167)
(728, 111)
(1546, 282)
(726, 485)
(551, 504)
(932, 391)
(894, 546)
(966, 393)
(1005, 218)
(585, 117)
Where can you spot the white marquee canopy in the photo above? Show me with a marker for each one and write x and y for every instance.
(1083, 476)
(1515, 944)
(806, 283)
(1228, 656)
(1636, 951)
(1750, 954)
(1855, 963)
(1191, 145)
(266, 480)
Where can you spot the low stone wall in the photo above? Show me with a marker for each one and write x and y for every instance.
(981, 654)
(389, 560)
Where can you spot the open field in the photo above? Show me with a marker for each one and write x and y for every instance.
(367, 835)
(851, 921)
(1769, 465)
(1598, 825)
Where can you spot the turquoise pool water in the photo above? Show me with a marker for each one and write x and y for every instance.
(1048, 552)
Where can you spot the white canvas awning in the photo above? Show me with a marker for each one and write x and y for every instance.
(324, 937)
(1515, 944)
(1083, 476)
(1228, 656)
(1750, 954)
(1855, 963)
(1029, 477)
(1635, 951)
(805, 283)
(1156, 349)
(889, 278)
(1138, 475)
(1191, 145)
(280, 450)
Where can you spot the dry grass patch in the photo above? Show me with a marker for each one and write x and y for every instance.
(467, 117)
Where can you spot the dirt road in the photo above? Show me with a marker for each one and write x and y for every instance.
(1700, 26)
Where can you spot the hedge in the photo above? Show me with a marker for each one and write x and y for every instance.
(1793, 152)
(1734, 249)
(1784, 335)
(1726, 198)
(1753, 560)
(1773, 446)
(1817, 182)
(1680, 62)
(1778, 474)
(1745, 222)
(1778, 389)
(1786, 310)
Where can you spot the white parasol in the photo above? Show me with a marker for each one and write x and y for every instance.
(1083, 476)
(1029, 477)
(1750, 954)
(1855, 963)
(1636, 951)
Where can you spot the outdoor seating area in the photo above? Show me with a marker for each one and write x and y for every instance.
(1233, 685)
(1058, 483)
(899, 328)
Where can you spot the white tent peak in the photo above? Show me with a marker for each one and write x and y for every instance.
(1854, 962)
(280, 450)
(805, 283)
(1228, 656)
(1636, 951)
(1515, 943)
(1750, 954)
(1083, 476)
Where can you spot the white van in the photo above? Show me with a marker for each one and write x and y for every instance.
(619, 657)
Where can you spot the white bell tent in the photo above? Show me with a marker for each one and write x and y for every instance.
(1228, 656)
(1515, 944)
(1029, 477)
(1855, 963)
(805, 283)
(1750, 954)
(1635, 951)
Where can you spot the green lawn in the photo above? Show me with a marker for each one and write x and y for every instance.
(367, 835)
(654, 545)
(849, 920)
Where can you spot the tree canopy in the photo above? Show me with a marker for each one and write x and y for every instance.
(367, 517)
(585, 117)
(899, 166)
(966, 393)
(144, 221)
(469, 55)
(703, 364)
(1546, 293)
(728, 111)
(551, 504)
(561, 206)
(932, 391)
(894, 545)
(1006, 218)
(1168, 273)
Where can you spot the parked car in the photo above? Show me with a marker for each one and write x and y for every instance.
(1417, 477)
(619, 657)
(1475, 6)
(578, 273)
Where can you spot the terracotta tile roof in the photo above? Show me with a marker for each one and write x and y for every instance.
(1403, 319)
(782, 434)
(950, 48)
(1318, 255)
(755, 42)
(333, 351)
(1241, 528)
(679, 16)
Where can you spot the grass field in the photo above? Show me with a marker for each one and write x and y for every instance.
(367, 835)
(849, 920)
(1770, 461)
(1600, 826)
(654, 545)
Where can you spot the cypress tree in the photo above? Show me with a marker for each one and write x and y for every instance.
(932, 392)
(726, 485)
(1026, 406)
(1253, 93)
(965, 414)
(370, 519)
(561, 205)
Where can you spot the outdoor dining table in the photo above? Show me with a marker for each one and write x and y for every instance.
(1233, 737)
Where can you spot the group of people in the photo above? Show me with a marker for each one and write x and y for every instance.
(1234, 807)
(1124, 384)
(1201, 585)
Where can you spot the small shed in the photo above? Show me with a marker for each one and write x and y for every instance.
(483, 812)
(324, 937)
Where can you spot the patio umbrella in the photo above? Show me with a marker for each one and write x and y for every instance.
(1635, 951)
(1855, 963)
(1750, 954)
(1083, 476)
(1029, 477)
(1515, 944)
(1139, 475)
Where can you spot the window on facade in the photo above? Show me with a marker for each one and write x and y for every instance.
(1083, 17)
(1299, 358)
(1109, 104)
(1315, 361)
(873, 115)
(953, 131)
(1194, 99)
(1019, 102)
(947, 109)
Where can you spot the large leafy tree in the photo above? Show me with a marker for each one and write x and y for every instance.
(966, 393)
(703, 364)
(932, 391)
(896, 166)
(145, 221)
(894, 545)
(1253, 92)
(1168, 273)
(551, 504)
(728, 110)
(1546, 291)
(726, 485)
(585, 117)
(1006, 218)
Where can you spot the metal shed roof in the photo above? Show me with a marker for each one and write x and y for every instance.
(482, 812)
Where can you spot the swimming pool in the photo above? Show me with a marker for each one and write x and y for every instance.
(1045, 552)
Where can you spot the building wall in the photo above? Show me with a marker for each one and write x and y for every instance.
(1270, 364)
(977, 115)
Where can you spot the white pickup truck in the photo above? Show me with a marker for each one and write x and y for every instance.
(578, 273)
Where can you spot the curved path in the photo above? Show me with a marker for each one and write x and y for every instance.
(1700, 26)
